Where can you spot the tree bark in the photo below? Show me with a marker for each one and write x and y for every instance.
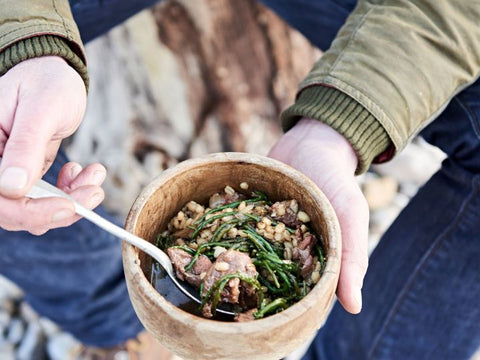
(184, 79)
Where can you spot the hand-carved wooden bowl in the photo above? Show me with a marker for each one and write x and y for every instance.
(192, 337)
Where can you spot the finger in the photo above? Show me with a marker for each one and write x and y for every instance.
(67, 174)
(24, 153)
(352, 212)
(29, 214)
(40, 115)
(89, 196)
(93, 174)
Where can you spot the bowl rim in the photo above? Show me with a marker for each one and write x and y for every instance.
(331, 272)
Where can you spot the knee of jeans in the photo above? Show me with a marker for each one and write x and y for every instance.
(457, 131)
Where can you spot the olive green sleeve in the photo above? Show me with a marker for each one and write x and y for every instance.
(345, 115)
(43, 45)
(39, 28)
(392, 69)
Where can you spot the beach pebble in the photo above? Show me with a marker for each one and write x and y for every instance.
(27, 312)
(48, 326)
(60, 346)
(15, 331)
(7, 351)
(32, 346)
(5, 319)
(379, 191)
(8, 290)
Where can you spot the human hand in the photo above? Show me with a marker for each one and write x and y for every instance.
(42, 101)
(328, 159)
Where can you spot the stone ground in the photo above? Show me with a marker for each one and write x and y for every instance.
(133, 156)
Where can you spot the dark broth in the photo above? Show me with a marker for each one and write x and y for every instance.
(165, 286)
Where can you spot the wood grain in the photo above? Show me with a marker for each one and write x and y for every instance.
(184, 79)
(192, 337)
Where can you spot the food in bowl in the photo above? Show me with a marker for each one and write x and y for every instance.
(257, 255)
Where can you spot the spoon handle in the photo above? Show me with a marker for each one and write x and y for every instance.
(42, 189)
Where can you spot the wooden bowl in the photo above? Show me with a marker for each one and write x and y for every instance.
(192, 337)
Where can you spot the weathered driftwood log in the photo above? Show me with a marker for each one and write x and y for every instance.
(183, 79)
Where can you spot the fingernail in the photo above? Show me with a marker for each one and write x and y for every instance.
(95, 199)
(62, 215)
(13, 178)
(98, 176)
(75, 170)
(357, 296)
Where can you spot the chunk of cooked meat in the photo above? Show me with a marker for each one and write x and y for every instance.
(236, 291)
(180, 259)
(284, 212)
(245, 316)
(302, 254)
(233, 198)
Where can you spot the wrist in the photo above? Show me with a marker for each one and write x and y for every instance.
(42, 46)
(346, 115)
(324, 141)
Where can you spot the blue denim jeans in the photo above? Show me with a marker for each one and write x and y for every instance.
(421, 289)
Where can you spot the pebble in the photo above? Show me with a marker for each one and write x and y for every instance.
(416, 163)
(8, 305)
(8, 290)
(7, 351)
(24, 334)
(61, 346)
(27, 312)
(48, 326)
(379, 191)
(5, 319)
(409, 188)
(32, 346)
(15, 331)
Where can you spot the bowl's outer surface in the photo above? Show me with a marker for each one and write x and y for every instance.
(192, 337)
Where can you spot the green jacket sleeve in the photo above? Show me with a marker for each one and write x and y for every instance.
(392, 69)
(39, 28)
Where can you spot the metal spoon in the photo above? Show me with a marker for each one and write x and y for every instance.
(42, 189)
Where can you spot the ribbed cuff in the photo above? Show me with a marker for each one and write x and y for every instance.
(42, 45)
(345, 115)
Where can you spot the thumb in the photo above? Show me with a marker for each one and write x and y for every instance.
(352, 213)
(23, 155)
